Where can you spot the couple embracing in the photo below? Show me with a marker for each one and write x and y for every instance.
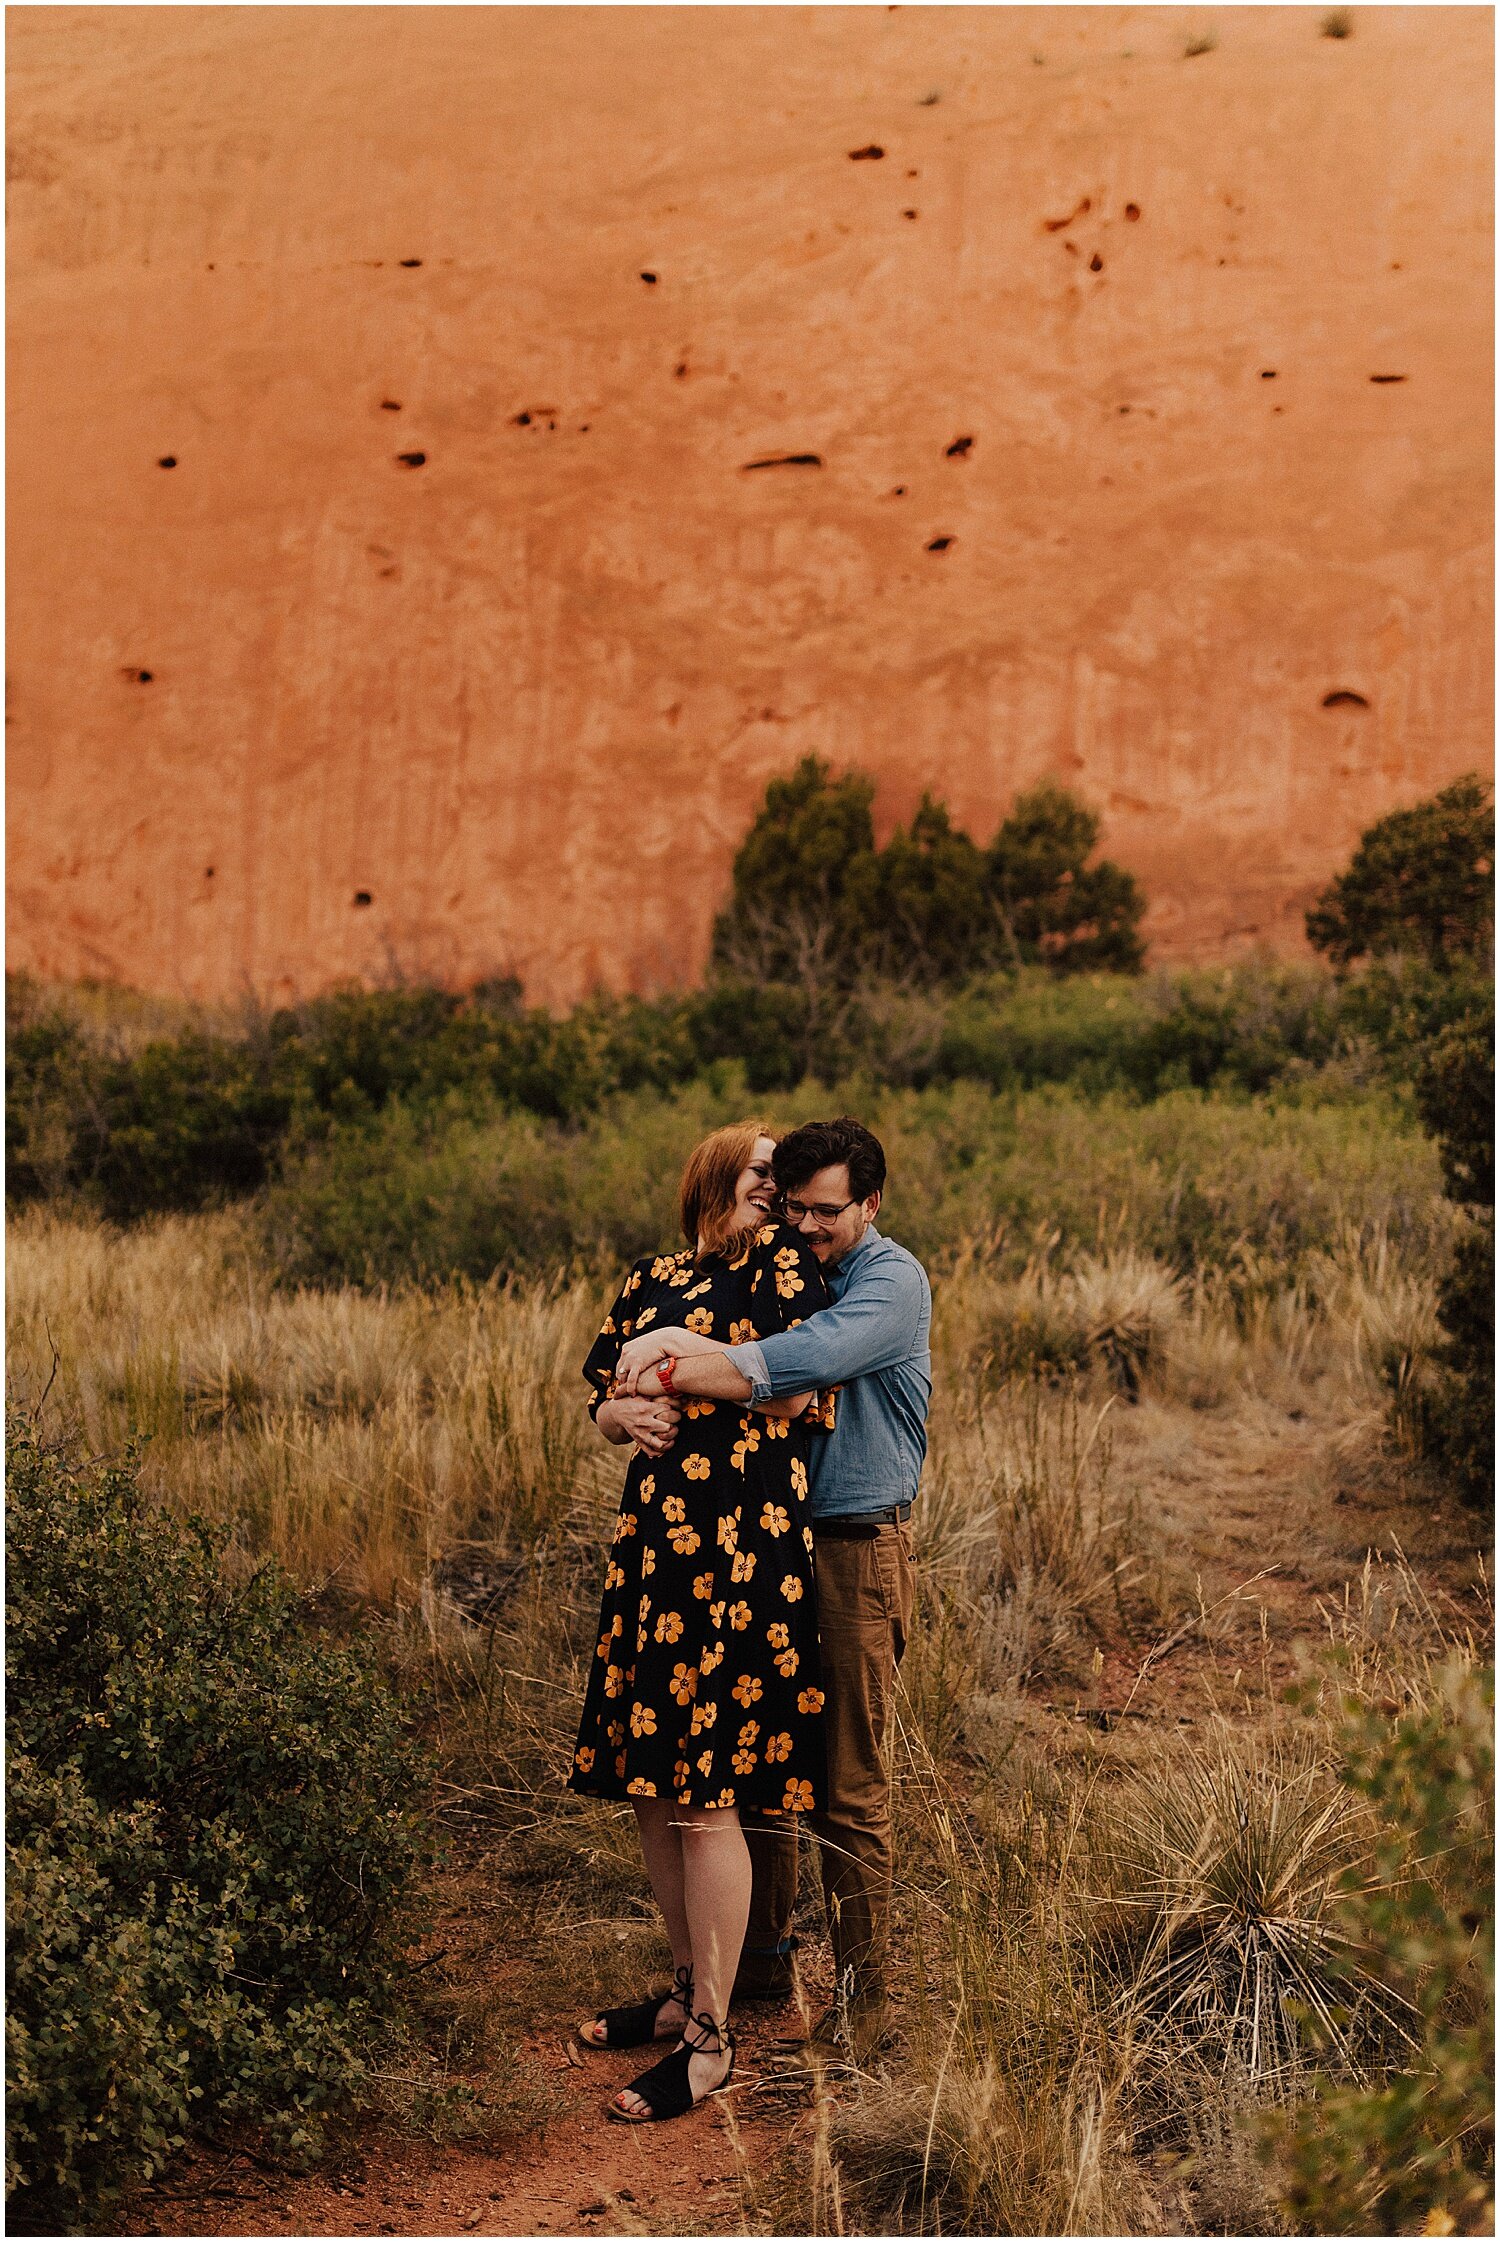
(773, 1378)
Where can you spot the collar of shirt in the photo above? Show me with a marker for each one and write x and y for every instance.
(838, 1277)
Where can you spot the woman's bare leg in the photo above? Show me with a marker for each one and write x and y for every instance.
(661, 1844)
(716, 1905)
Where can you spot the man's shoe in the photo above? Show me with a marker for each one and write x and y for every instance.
(766, 1977)
(841, 2035)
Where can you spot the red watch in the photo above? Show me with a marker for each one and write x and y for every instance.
(664, 1370)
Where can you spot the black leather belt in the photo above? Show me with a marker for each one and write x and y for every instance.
(861, 1525)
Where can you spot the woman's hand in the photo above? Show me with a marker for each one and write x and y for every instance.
(651, 1424)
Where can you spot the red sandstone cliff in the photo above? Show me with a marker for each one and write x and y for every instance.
(586, 266)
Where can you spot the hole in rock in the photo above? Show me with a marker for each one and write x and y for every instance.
(523, 420)
(1060, 225)
(649, 278)
(1096, 262)
(1268, 373)
(389, 405)
(1387, 377)
(168, 461)
(680, 372)
(960, 448)
(362, 898)
(937, 544)
(784, 459)
(1345, 699)
(899, 491)
(412, 459)
(134, 676)
(1132, 211)
(410, 262)
(872, 154)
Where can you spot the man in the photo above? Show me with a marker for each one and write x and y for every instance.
(873, 1344)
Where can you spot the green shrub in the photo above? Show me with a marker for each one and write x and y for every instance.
(1421, 881)
(212, 1832)
(1456, 1099)
(1416, 2153)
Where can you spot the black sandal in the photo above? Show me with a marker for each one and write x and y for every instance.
(666, 2088)
(635, 2026)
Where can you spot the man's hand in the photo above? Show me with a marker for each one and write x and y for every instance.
(651, 1424)
(651, 1347)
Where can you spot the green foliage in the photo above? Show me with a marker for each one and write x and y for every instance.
(1053, 907)
(1417, 2152)
(211, 1835)
(1456, 1100)
(1421, 881)
(815, 903)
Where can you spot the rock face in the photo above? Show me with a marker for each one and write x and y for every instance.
(459, 454)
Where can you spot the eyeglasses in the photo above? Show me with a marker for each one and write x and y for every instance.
(796, 1212)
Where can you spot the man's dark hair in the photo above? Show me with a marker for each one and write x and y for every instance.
(829, 1144)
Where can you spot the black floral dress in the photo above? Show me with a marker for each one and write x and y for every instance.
(705, 1686)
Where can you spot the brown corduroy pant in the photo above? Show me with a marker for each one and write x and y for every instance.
(865, 1590)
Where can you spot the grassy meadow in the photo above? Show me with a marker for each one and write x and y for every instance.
(1179, 1546)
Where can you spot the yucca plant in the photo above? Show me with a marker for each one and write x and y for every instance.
(1124, 1303)
(1229, 1867)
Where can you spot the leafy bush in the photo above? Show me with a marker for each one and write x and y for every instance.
(1421, 881)
(1416, 2154)
(816, 904)
(212, 1831)
(1456, 1099)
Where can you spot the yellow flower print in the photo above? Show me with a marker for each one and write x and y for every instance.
(684, 1683)
(664, 1266)
(746, 1445)
(700, 1320)
(741, 1333)
(704, 1716)
(778, 1634)
(798, 1798)
(642, 1720)
(749, 1730)
(668, 1626)
(607, 1328)
(766, 1234)
(624, 1525)
(777, 1428)
(642, 1609)
(680, 1276)
(778, 1747)
(604, 1643)
(791, 1588)
(647, 1315)
(739, 1617)
(799, 1476)
(807, 1541)
(716, 1613)
(726, 1797)
(705, 1761)
(787, 1663)
(711, 1658)
(706, 1286)
(616, 1733)
(638, 1787)
(626, 1328)
(614, 1682)
(809, 1700)
(648, 1562)
(747, 1691)
(673, 1509)
(698, 1407)
(743, 1762)
(695, 1467)
(788, 1283)
(743, 1565)
(614, 1575)
(683, 1540)
(583, 1759)
(703, 1586)
(787, 1258)
(729, 1534)
(633, 1281)
(647, 1487)
(775, 1520)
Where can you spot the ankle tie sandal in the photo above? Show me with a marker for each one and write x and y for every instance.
(635, 2025)
(666, 2089)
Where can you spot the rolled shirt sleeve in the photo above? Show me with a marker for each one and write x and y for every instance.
(873, 1327)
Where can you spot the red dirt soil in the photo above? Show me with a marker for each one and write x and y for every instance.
(399, 576)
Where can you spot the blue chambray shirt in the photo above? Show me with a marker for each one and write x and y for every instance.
(873, 1344)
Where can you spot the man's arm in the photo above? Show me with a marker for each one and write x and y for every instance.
(873, 1327)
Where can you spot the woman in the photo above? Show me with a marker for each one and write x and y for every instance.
(704, 1694)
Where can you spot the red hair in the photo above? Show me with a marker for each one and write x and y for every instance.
(714, 1168)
